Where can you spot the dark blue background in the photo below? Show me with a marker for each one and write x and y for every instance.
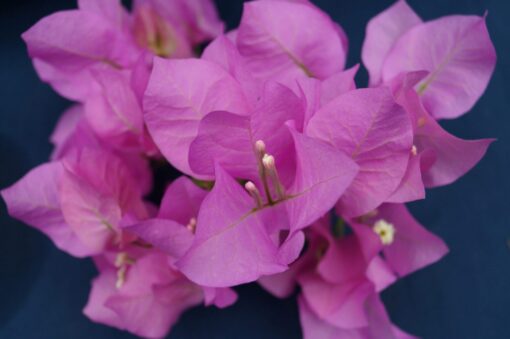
(466, 295)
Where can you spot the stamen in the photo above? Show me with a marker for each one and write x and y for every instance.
(385, 230)
(121, 276)
(260, 146)
(268, 161)
(192, 225)
(122, 261)
(270, 166)
(414, 150)
(254, 192)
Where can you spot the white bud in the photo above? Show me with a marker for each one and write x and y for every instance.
(192, 224)
(268, 161)
(260, 146)
(414, 150)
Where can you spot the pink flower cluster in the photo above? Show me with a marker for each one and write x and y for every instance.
(291, 176)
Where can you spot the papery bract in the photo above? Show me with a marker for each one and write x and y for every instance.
(278, 45)
(179, 94)
(148, 302)
(113, 111)
(413, 246)
(34, 199)
(443, 157)
(173, 230)
(381, 34)
(459, 56)
(97, 193)
(368, 125)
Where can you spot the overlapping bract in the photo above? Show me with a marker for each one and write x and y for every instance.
(277, 146)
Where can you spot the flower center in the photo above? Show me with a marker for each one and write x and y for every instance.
(122, 261)
(268, 174)
(385, 230)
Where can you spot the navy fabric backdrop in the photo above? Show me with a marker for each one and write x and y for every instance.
(466, 295)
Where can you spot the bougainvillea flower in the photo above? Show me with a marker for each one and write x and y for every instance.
(379, 325)
(98, 193)
(81, 201)
(407, 245)
(381, 33)
(318, 93)
(337, 288)
(456, 51)
(34, 199)
(293, 177)
(66, 45)
(113, 111)
(266, 38)
(179, 94)
(142, 294)
(377, 133)
(74, 133)
(244, 219)
(224, 52)
(443, 157)
(172, 231)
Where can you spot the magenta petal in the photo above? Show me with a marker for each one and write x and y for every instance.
(167, 235)
(66, 44)
(277, 106)
(413, 247)
(380, 273)
(291, 248)
(66, 125)
(103, 287)
(181, 201)
(343, 261)
(231, 245)
(453, 156)
(341, 305)
(223, 52)
(112, 10)
(411, 187)
(379, 324)
(323, 174)
(86, 39)
(458, 53)
(224, 138)
(152, 297)
(267, 39)
(317, 93)
(377, 133)
(219, 297)
(113, 112)
(34, 200)
(313, 327)
(75, 85)
(382, 33)
(179, 94)
(338, 84)
(97, 190)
